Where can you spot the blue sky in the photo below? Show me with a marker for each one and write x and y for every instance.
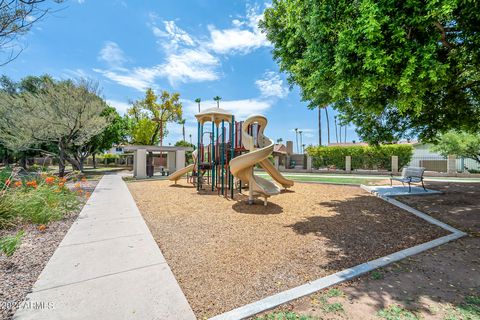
(199, 48)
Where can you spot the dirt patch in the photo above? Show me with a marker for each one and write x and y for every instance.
(19, 272)
(437, 284)
(226, 253)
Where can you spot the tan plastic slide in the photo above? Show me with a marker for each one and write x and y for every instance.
(275, 174)
(181, 172)
(242, 166)
(177, 175)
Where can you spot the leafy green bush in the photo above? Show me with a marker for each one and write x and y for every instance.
(9, 244)
(109, 158)
(363, 157)
(43, 204)
(38, 200)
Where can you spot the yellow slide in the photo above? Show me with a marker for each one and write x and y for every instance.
(242, 166)
(181, 172)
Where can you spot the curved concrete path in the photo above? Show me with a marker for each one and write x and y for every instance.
(108, 266)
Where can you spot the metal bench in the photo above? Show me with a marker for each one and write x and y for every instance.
(410, 175)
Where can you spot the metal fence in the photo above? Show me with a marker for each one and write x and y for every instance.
(430, 163)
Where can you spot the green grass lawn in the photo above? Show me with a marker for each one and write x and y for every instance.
(327, 179)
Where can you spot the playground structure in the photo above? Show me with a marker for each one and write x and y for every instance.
(227, 159)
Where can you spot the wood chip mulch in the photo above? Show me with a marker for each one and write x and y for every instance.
(226, 253)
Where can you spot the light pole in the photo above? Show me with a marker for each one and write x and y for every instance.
(301, 142)
(296, 138)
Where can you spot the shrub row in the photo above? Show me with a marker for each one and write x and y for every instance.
(363, 157)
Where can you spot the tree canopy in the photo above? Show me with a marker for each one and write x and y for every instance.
(16, 18)
(461, 144)
(65, 114)
(150, 115)
(408, 67)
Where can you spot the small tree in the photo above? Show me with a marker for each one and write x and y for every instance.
(461, 144)
(151, 116)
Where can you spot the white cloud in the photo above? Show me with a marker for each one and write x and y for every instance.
(173, 33)
(112, 54)
(244, 37)
(187, 58)
(190, 65)
(137, 78)
(271, 85)
(119, 105)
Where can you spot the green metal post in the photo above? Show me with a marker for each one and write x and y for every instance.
(232, 152)
(222, 159)
(213, 155)
(198, 156)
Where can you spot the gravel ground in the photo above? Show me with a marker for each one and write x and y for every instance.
(432, 285)
(226, 253)
(19, 272)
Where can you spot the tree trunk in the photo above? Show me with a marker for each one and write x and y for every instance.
(61, 159)
(183, 131)
(23, 162)
(94, 159)
(319, 126)
(328, 125)
(161, 133)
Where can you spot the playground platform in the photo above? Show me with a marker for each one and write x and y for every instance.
(108, 266)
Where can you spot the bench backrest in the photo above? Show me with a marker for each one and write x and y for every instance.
(416, 172)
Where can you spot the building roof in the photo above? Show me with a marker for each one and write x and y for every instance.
(214, 115)
(131, 148)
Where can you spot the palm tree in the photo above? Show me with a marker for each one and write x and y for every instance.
(198, 100)
(328, 125)
(345, 134)
(296, 138)
(190, 136)
(217, 98)
(182, 122)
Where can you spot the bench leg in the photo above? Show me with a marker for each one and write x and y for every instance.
(409, 187)
(423, 186)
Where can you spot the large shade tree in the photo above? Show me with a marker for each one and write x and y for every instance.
(62, 113)
(407, 67)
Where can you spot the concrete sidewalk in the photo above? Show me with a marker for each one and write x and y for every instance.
(108, 266)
